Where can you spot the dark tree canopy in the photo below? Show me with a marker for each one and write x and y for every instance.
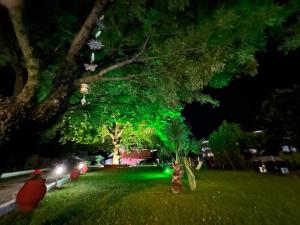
(280, 118)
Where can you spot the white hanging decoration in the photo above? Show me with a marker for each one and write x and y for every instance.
(94, 44)
(100, 23)
(83, 100)
(90, 67)
(92, 57)
(98, 34)
(84, 89)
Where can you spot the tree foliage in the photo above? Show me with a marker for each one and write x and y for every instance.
(177, 140)
(156, 53)
(224, 142)
(280, 118)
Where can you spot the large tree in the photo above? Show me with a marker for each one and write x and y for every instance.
(128, 116)
(280, 118)
(178, 47)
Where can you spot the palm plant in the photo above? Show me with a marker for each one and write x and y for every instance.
(177, 144)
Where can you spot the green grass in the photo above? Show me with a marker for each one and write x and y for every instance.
(142, 196)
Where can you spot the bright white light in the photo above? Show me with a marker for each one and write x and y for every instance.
(210, 154)
(59, 170)
(258, 131)
(81, 165)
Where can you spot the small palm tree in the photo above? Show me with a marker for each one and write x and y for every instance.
(178, 144)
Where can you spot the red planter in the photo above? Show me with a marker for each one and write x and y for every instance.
(32, 192)
(74, 174)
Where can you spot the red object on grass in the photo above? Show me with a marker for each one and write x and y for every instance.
(32, 192)
(37, 171)
(74, 174)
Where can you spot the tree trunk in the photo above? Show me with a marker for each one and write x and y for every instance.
(27, 94)
(116, 155)
(229, 160)
(115, 135)
(176, 186)
(14, 111)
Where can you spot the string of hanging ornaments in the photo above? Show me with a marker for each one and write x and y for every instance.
(94, 45)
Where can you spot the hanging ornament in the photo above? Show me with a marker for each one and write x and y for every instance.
(90, 67)
(83, 100)
(84, 89)
(92, 57)
(100, 23)
(98, 34)
(95, 45)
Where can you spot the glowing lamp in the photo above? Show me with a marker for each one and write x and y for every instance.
(81, 165)
(59, 170)
(168, 170)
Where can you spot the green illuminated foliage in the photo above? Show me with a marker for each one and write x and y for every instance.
(177, 140)
(292, 39)
(177, 143)
(140, 113)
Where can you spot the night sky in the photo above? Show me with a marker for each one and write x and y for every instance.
(240, 102)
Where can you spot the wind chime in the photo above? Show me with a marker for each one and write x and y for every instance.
(94, 44)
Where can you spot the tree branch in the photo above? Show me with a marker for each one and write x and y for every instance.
(27, 93)
(10, 4)
(116, 130)
(109, 129)
(100, 75)
(120, 133)
(131, 77)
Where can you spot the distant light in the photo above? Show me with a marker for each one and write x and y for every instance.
(153, 150)
(59, 170)
(257, 131)
(81, 165)
(210, 154)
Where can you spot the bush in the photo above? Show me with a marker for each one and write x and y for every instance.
(224, 144)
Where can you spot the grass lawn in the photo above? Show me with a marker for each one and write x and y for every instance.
(141, 196)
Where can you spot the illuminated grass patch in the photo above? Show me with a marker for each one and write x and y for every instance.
(142, 196)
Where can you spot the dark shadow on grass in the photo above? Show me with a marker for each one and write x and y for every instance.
(16, 218)
(63, 217)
